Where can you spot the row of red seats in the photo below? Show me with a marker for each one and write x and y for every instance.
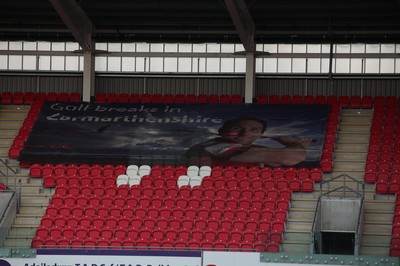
(167, 98)
(23, 133)
(3, 187)
(30, 97)
(342, 101)
(166, 244)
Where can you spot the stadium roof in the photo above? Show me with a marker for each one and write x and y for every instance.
(231, 21)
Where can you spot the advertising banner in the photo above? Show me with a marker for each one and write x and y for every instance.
(173, 134)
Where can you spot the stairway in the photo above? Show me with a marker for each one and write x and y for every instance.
(349, 158)
(34, 199)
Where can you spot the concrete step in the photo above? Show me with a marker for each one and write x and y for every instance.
(369, 240)
(358, 157)
(344, 146)
(17, 243)
(362, 128)
(297, 235)
(295, 247)
(298, 225)
(374, 251)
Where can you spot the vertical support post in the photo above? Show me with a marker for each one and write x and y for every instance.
(250, 78)
(88, 76)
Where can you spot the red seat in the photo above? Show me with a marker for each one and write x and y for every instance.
(225, 98)
(168, 98)
(112, 97)
(236, 98)
(156, 98)
(134, 98)
(75, 97)
(320, 99)
(63, 97)
(274, 99)
(202, 98)
(123, 98)
(6, 97)
(18, 97)
(355, 101)
(192, 98)
(262, 99)
(180, 98)
(213, 98)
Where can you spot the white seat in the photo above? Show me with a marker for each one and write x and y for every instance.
(134, 180)
(204, 171)
(122, 180)
(132, 170)
(183, 180)
(144, 170)
(192, 170)
(195, 180)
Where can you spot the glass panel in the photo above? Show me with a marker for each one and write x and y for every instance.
(44, 62)
(128, 64)
(71, 46)
(184, 64)
(259, 65)
(325, 65)
(80, 63)
(356, 65)
(15, 46)
(114, 47)
(72, 63)
(240, 65)
(43, 46)
(325, 48)
(140, 64)
(3, 62)
(299, 48)
(372, 48)
(3, 45)
(156, 47)
(314, 48)
(272, 48)
(397, 66)
(227, 48)
(387, 65)
(142, 47)
(227, 65)
(314, 65)
(101, 63)
(29, 46)
(199, 48)
(213, 48)
(284, 48)
(171, 47)
(170, 64)
(128, 47)
(213, 65)
(15, 62)
(358, 48)
(299, 65)
(371, 65)
(387, 48)
(342, 65)
(270, 65)
(284, 65)
(58, 46)
(102, 46)
(239, 47)
(342, 48)
(185, 48)
(57, 63)
(114, 64)
(29, 62)
(156, 64)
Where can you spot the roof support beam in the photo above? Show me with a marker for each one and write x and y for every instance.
(243, 22)
(77, 22)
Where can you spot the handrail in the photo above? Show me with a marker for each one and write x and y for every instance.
(344, 187)
(6, 174)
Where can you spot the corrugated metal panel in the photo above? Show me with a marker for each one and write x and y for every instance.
(202, 84)
(60, 84)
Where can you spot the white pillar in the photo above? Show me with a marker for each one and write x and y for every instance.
(250, 78)
(88, 76)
